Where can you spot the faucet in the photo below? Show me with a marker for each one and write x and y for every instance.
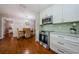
(73, 29)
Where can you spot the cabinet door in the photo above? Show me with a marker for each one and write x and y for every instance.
(57, 14)
(59, 44)
(53, 38)
(43, 14)
(69, 12)
(46, 13)
(77, 12)
(60, 49)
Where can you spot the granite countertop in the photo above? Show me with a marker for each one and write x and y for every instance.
(64, 33)
(67, 34)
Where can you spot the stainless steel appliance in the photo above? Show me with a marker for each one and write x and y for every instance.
(47, 20)
(44, 38)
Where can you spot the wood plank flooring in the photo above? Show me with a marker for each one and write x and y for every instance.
(10, 45)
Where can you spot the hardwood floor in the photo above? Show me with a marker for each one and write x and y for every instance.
(10, 45)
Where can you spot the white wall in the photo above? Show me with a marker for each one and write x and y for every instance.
(37, 26)
(0, 27)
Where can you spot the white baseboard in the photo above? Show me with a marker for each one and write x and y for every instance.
(1, 38)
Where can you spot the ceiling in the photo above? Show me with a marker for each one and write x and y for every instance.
(36, 7)
(22, 10)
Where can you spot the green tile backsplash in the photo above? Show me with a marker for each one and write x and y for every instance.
(62, 27)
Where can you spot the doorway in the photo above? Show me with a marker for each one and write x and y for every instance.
(8, 28)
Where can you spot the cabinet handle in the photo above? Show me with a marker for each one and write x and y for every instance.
(60, 51)
(61, 43)
(61, 36)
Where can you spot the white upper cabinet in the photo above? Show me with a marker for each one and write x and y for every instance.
(62, 13)
(45, 13)
(69, 12)
(57, 14)
(65, 13)
(77, 12)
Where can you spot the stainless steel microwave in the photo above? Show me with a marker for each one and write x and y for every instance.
(47, 20)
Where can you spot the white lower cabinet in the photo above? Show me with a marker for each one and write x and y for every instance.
(61, 44)
(61, 49)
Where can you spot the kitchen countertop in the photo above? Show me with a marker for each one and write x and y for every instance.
(67, 34)
(64, 33)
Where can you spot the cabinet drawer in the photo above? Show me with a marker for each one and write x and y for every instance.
(66, 42)
(56, 37)
(60, 49)
(55, 48)
(74, 39)
(71, 45)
